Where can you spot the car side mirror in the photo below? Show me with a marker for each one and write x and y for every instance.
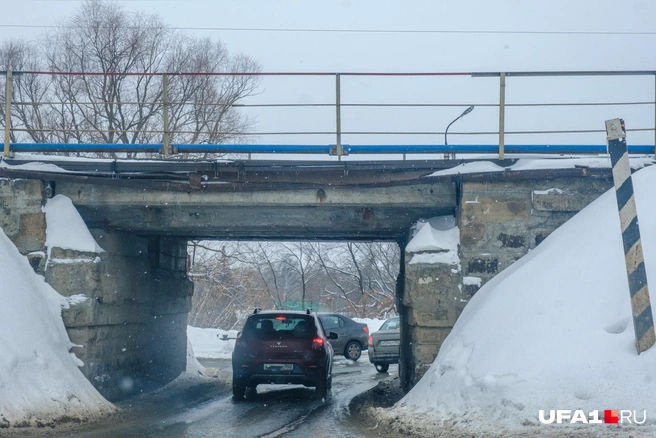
(332, 336)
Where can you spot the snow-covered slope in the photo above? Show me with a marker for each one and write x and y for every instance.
(39, 379)
(553, 331)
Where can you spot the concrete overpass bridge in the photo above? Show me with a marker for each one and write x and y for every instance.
(250, 200)
(133, 326)
(143, 212)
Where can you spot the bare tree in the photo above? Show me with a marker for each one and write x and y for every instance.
(226, 289)
(232, 278)
(21, 55)
(363, 275)
(382, 268)
(263, 258)
(123, 106)
(298, 258)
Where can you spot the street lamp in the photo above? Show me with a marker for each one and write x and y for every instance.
(464, 113)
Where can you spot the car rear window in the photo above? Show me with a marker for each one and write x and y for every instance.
(331, 322)
(391, 324)
(279, 326)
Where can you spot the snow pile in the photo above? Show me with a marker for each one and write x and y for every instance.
(37, 166)
(473, 167)
(572, 162)
(66, 229)
(535, 163)
(208, 343)
(39, 379)
(435, 241)
(193, 370)
(553, 331)
(373, 324)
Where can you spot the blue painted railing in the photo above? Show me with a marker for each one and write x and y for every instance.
(17, 130)
(326, 149)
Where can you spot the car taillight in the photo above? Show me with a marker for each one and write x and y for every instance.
(317, 343)
(366, 329)
(370, 342)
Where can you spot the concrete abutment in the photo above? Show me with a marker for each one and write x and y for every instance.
(499, 222)
(131, 328)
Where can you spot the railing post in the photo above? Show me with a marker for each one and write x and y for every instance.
(502, 114)
(166, 140)
(8, 97)
(339, 148)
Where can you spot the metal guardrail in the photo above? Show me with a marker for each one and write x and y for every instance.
(338, 148)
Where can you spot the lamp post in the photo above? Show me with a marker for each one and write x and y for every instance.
(446, 131)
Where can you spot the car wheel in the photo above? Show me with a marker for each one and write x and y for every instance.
(353, 350)
(382, 367)
(238, 389)
(329, 384)
(251, 392)
(322, 388)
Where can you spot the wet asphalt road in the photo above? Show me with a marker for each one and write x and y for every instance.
(276, 411)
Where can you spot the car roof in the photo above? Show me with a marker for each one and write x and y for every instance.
(283, 312)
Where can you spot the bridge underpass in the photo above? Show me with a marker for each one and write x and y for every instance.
(133, 327)
(143, 212)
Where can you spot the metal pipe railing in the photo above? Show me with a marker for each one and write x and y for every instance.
(339, 149)
(502, 114)
(326, 149)
(8, 97)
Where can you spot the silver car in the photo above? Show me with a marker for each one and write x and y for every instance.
(352, 335)
(385, 344)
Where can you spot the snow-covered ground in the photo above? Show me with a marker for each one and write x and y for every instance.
(552, 332)
(40, 382)
(373, 324)
(208, 343)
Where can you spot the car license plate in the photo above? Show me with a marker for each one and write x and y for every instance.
(388, 343)
(278, 366)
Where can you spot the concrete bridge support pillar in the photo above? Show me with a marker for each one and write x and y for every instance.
(171, 292)
(432, 301)
(22, 218)
(131, 329)
(499, 222)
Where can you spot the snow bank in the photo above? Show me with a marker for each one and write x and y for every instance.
(373, 324)
(544, 162)
(435, 241)
(39, 379)
(477, 166)
(553, 331)
(66, 228)
(207, 343)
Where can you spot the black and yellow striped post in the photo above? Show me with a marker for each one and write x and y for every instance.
(643, 320)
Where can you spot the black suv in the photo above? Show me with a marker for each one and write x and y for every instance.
(282, 347)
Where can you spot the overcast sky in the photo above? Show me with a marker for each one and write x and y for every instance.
(422, 36)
